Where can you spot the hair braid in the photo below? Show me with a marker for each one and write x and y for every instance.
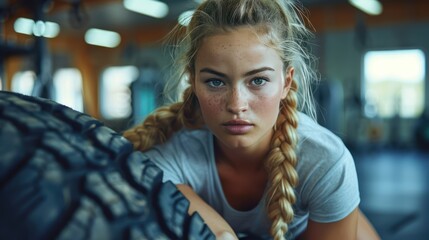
(160, 125)
(280, 166)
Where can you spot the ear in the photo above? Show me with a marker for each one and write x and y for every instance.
(288, 81)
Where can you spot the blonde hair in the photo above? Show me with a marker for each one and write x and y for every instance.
(279, 24)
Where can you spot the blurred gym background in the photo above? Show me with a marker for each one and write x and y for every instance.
(106, 58)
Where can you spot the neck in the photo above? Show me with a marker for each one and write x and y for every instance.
(246, 159)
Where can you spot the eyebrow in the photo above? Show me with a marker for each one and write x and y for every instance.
(252, 72)
(262, 69)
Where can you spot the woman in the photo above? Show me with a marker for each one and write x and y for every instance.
(236, 145)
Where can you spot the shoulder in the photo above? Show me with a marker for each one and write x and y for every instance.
(183, 157)
(185, 141)
(322, 156)
(199, 136)
(328, 185)
(317, 143)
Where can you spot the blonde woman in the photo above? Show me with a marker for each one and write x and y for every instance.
(237, 144)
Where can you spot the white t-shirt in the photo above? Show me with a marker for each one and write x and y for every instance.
(327, 191)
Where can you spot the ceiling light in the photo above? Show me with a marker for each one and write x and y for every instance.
(23, 26)
(151, 8)
(102, 38)
(185, 17)
(38, 29)
(371, 7)
(52, 30)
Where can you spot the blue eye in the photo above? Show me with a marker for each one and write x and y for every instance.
(215, 83)
(259, 81)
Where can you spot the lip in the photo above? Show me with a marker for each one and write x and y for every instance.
(238, 126)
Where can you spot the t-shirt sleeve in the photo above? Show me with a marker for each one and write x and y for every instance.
(168, 162)
(184, 158)
(335, 192)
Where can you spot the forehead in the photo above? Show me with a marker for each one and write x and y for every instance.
(231, 38)
(243, 43)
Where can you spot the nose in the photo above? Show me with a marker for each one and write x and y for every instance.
(237, 101)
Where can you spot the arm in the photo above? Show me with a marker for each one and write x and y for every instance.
(354, 226)
(365, 230)
(346, 228)
(214, 221)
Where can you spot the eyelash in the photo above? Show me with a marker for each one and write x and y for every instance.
(252, 82)
(210, 82)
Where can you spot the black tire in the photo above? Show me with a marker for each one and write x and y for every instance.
(64, 175)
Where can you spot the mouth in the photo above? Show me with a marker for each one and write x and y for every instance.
(238, 126)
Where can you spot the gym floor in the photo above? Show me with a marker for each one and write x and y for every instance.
(394, 187)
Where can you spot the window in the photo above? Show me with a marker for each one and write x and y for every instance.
(68, 88)
(115, 94)
(23, 82)
(394, 83)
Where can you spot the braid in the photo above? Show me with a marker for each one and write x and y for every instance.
(160, 125)
(280, 166)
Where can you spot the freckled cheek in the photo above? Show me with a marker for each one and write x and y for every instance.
(211, 105)
(267, 106)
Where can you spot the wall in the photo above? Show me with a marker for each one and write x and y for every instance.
(341, 54)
